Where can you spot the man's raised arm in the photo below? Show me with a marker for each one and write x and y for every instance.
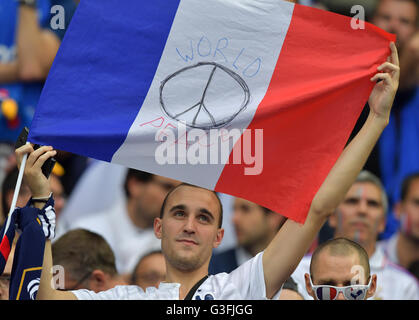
(293, 240)
(40, 188)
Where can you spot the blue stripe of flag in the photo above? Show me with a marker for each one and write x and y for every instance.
(101, 75)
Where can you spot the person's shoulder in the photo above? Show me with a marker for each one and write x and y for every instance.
(165, 291)
(398, 283)
(384, 243)
(400, 272)
(243, 283)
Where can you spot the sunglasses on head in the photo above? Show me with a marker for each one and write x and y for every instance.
(353, 292)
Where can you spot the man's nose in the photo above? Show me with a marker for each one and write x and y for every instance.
(340, 296)
(190, 224)
(394, 28)
(362, 207)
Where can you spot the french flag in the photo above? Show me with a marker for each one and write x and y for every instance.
(294, 76)
(7, 233)
(326, 293)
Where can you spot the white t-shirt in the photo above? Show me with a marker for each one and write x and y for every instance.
(390, 248)
(244, 283)
(128, 242)
(393, 282)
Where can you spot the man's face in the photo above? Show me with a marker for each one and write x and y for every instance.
(396, 16)
(338, 271)
(151, 271)
(250, 222)
(151, 195)
(409, 211)
(189, 228)
(360, 216)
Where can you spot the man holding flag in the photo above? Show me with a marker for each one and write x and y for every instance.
(190, 222)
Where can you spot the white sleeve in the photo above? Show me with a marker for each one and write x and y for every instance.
(411, 290)
(117, 293)
(249, 279)
(84, 294)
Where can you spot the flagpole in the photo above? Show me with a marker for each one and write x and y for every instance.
(17, 190)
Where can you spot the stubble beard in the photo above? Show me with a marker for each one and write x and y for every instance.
(183, 263)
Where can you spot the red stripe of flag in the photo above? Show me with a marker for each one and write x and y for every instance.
(5, 247)
(319, 87)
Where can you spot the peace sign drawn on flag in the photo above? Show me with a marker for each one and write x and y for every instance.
(209, 112)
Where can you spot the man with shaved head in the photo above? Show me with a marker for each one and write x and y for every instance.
(340, 270)
(341, 247)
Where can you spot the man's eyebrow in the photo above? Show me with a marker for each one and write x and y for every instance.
(206, 211)
(352, 198)
(332, 282)
(183, 208)
(374, 201)
(329, 282)
(178, 207)
(357, 198)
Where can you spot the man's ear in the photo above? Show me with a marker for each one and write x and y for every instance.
(308, 286)
(373, 287)
(219, 237)
(98, 281)
(276, 221)
(158, 227)
(135, 187)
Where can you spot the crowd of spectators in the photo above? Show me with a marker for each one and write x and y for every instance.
(105, 213)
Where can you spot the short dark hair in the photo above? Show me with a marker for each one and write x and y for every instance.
(80, 251)
(407, 182)
(220, 221)
(342, 247)
(138, 175)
